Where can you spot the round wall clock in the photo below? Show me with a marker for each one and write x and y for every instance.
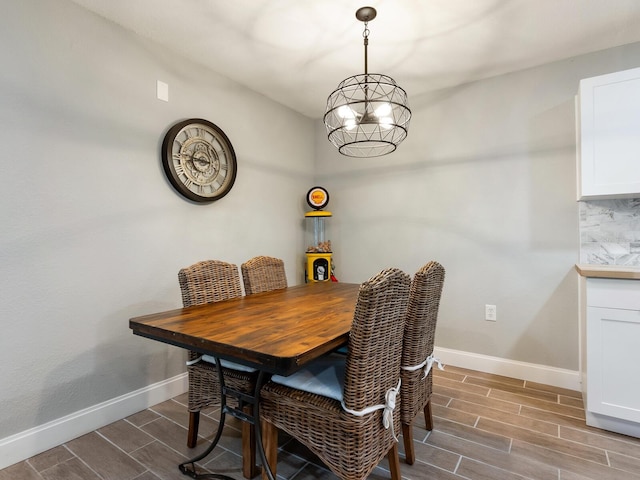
(199, 160)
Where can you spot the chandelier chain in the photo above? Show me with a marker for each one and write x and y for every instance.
(365, 35)
(366, 32)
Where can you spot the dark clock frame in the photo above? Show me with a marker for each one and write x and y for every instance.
(177, 181)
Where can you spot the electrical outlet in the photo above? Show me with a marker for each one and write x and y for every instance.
(490, 313)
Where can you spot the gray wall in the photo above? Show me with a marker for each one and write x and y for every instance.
(92, 233)
(485, 183)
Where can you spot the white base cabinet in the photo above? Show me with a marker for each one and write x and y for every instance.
(608, 122)
(611, 356)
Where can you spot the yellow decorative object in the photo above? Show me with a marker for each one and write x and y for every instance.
(317, 213)
(318, 267)
(317, 198)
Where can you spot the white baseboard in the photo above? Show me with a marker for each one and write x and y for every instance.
(557, 377)
(36, 440)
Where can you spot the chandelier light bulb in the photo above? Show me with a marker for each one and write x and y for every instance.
(386, 123)
(346, 112)
(350, 123)
(383, 110)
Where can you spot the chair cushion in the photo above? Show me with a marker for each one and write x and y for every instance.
(324, 376)
(228, 364)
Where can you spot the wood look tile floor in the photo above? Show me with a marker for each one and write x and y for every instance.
(487, 427)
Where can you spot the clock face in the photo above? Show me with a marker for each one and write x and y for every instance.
(199, 160)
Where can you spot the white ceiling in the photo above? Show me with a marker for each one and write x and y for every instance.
(297, 51)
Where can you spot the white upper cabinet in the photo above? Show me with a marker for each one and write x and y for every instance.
(609, 136)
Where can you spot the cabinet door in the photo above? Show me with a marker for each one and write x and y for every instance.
(613, 363)
(609, 126)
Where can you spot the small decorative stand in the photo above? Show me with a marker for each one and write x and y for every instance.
(319, 265)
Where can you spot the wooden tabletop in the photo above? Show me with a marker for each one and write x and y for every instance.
(276, 331)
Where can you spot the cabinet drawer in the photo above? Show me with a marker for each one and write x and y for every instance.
(613, 337)
(613, 293)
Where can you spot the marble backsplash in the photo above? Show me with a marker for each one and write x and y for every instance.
(610, 232)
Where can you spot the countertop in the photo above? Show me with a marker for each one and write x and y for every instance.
(608, 271)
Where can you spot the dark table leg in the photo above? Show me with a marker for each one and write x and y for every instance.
(189, 467)
(256, 416)
(184, 467)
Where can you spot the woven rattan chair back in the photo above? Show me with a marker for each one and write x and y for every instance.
(351, 444)
(212, 281)
(375, 340)
(209, 281)
(263, 274)
(419, 335)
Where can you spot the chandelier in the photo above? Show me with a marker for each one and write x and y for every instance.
(367, 115)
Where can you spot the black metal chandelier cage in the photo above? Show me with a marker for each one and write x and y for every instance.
(368, 115)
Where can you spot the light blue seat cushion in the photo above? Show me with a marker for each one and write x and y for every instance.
(324, 376)
(342, 350)
(228, 364)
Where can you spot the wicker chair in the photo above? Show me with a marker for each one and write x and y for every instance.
(350, 441)
(262, 274)
(417, 352)
(207, 282)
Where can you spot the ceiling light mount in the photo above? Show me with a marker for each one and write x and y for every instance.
(367, 115)
(366, 14)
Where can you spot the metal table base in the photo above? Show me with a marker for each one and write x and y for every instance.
(189, 467)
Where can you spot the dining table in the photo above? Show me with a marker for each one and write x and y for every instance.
(276, 332)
